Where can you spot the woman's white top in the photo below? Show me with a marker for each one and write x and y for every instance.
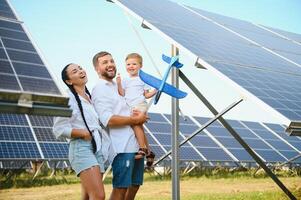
(62, 126)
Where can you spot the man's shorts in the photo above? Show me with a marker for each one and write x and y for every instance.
(127, 171)
(81, 156)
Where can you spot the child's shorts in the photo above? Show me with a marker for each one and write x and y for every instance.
(81, 156)
(141, 107)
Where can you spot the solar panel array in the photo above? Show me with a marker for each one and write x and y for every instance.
(266, 66)
(213, 145)
(22, 68)
(24, 137)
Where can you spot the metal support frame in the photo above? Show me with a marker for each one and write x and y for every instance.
(208, 123)
(175, 132)
(236, 136)
(38, 170)
(290, 160)
(8, 178)
(34, 104)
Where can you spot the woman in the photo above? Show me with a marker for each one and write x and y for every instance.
(82, 128)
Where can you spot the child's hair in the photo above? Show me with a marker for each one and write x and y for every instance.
(134, 55)
(79, 103)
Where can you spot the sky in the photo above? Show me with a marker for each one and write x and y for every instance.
(74, 31)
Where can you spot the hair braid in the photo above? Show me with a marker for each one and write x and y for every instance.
(79, 103)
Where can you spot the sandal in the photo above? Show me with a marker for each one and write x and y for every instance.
(150, 158)
(141, 153)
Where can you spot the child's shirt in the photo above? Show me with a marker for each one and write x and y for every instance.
(134, 90)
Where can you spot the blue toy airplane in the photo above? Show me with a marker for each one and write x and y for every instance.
(161, 85)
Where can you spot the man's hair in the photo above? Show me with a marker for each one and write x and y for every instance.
(134, 55)
(99, 55)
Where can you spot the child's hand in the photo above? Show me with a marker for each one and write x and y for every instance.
(118, 78)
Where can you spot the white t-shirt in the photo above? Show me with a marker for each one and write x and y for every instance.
(134, 90)
(107, 102)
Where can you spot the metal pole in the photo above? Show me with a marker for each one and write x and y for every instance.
(175, 132)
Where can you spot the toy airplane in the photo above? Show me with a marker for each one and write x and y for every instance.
(161, 85)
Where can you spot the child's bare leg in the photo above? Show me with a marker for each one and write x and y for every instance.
(139, 133)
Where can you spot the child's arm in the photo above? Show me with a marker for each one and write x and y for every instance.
(120, 89)
(149, 93)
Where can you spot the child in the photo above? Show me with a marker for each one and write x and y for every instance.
(136, 92)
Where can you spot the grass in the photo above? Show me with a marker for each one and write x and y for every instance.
(201, 184)
(191, 188)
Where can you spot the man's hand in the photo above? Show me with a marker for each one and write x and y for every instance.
(139, 117)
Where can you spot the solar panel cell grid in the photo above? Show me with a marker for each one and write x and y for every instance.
(31, 70)
(44, 121)
(270, 156)
(46, 134)
(279, 145)
(24, 56)
(13, 119)
(5, 67)
(291, 154)
(203, 141)
(188, 153)
(241, 154)
(8, 82)
(158, 127)
(15, 133)
(10, 25)
(19, 150)
(19, 35)
(255, 33)
(215, 154)
(55, 150)
(17, 44)
(156, 117)
(39, 85)
(3, 54)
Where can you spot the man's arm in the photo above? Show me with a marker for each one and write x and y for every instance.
(137, 118)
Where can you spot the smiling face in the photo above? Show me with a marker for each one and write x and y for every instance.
(105, 67)
(133, 66)
(76, 75)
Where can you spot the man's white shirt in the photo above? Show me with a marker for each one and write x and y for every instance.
(107, 102)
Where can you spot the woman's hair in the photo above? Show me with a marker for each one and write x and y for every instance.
(79, 103)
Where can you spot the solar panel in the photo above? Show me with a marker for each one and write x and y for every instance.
(25, 80)
(5, 10)
(261, 139)
(291, 36)
(264, 66)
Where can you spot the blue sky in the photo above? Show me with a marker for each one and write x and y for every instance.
(74, 30)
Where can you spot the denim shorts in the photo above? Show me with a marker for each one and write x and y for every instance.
(127, 171)
(81, 156)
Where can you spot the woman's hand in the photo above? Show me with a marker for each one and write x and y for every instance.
(87, 136)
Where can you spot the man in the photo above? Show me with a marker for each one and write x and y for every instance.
(115, 113)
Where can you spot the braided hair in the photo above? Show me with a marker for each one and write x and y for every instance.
(64, 78)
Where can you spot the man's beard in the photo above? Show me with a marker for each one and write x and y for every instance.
(109, 75)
